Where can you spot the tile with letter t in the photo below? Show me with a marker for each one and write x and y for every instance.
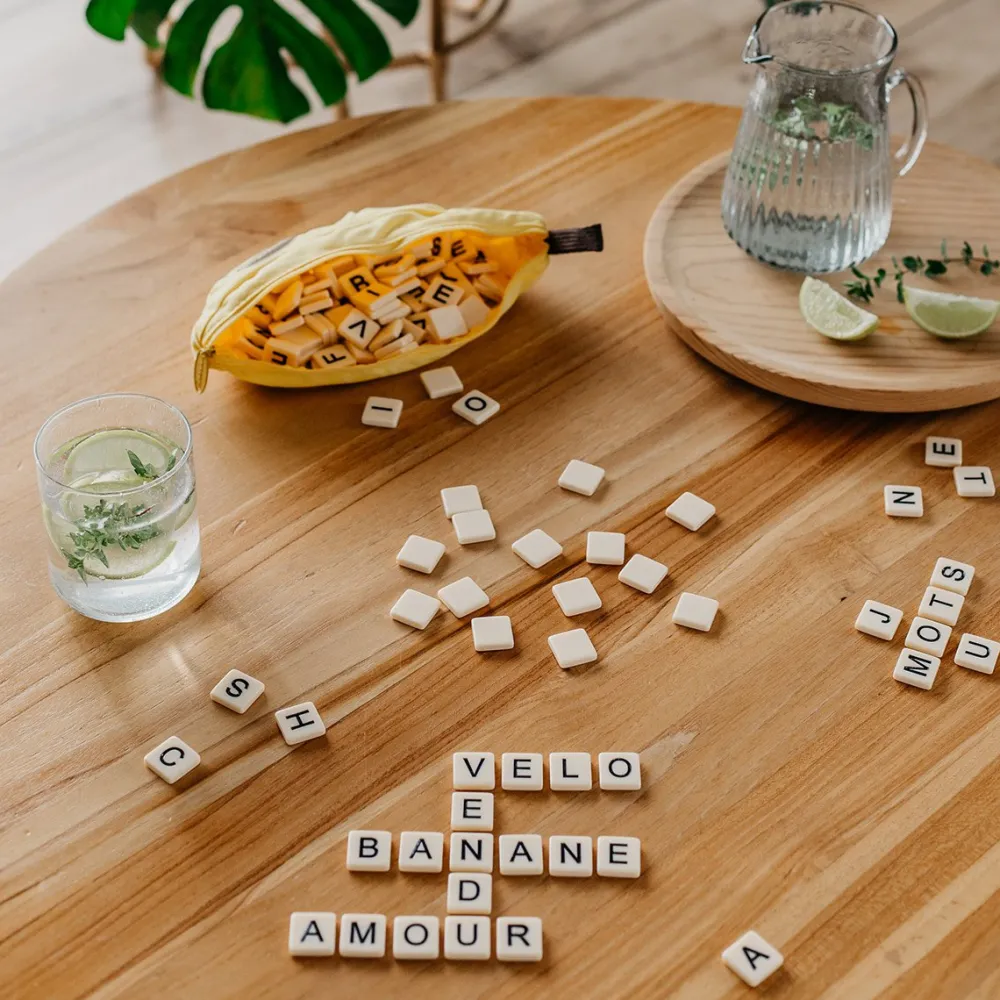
(927, 636)
(752, 958)
(519, 939)
(941, 605)
(916, 669)
(172, 759)
(618, 771)
(571, 857)
(299, 723)
(974, 481)
(369, 850)
(879, 620)
(950, 574)
(470, 892)
(521, 854)
(945, 453)
(421, 851)
(362, 935)
(471, 852)
(903, 501)
(570, 772)
(416, 938)
(312, 934)
(473, 771)
(237, 691)
(976, 653)
(467, 939)
(472, 811)
(619, 857)
(522, 772)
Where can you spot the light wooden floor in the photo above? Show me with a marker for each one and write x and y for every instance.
(84, 123)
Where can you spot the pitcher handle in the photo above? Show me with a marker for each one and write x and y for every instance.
(907, 153)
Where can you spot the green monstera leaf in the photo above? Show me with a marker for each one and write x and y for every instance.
(248, 72)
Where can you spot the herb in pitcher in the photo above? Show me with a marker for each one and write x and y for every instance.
(808, 118)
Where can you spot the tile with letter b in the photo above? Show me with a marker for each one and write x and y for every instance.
(522, 772)
(472, 811)
(519, 939)
(976, 653)
(521, 854)
(467, 939)
(752, 958)
(879, 620)
(470, 892)
(927, 636)
(299, 723)
(369, 850)
(471, 852)
(916, 668)
(618, 771)
(473, 771)
(172, 759)
(570, 772)
(312, 934)
(362, 935)
(571, 857)
(416, 938)
(945, 453)
(950, 574)
(974, 481)
(941, 605)
(903, 501)
(476, 407)
(421, 851)
(619, 857)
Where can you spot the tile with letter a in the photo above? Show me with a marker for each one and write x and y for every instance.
(903, 501)
(619, 857)
(537, 548)
(369, 850)
(312, 933)
(362, 935)
(421, 554)
(927, 636)
(521, 854)
(950, 574)
(916, 668)
(299, 723)
(470, 892)
(473, 771)
(752, 958)
(570, 772)
(476, 407)
(879, 620)
(619, 771)
(421, 851)
(941, 605)
(472, 811)
(467, 939)
(471, 852)
(416, 938)
(237, 691)
(976, 653)
(522, 772)
(974, 481)
(519, 939)
(380, 411)
(571, 857)
(943, 452)
(172, 759)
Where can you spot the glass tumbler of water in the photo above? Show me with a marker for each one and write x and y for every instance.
(116, 478)
(809, 184)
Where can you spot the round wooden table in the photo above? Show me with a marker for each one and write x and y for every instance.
(790, 785)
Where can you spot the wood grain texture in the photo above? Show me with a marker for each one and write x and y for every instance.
(745, 317)
(790, 784)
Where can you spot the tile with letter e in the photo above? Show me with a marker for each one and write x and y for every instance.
(471, 852)
(618, 771)
(362, 935)
(916, 668)
(476, 407)
(950, 574)
(380, 411)
(572, 648)
(237, 691)
(575, 597)
(470, 892)
(605, 548)
(472, 811)
(581, 477)
(570, 772)
(619, 857)
(941, 605)
(752, 958)
(473, 771)
(299, 723)
(463, 597)
(927, 636)
(521, 854)
(519, 939)
(537, 548)
(416, 938)
(695, 611)
(467, 939)
(945, 453)
(879, 620)
(974, 481)
(571, 857)
(312, 934)
(521, 772)
(492, 633)
(690, 511)
(369, 850)
(976, 653)
(172, 759)
(903, 501)
(642, 573)
(441, 382)
(421, 554)
(421, 851)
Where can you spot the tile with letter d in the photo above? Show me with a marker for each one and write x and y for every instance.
(237, 691)
(752, 958)
(570, 772)
(519, 939)
(421, 851)
(299, 723)
(416, 938)
(362, 935)
(312, 934)
(571, 857)
(172, 759)
(470, 892)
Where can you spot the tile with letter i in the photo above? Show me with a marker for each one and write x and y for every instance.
(927, 636)
(974, 481)
(312, 934)
(521, 854)
(237, 691)
(976, 653)
(521, 772)
(879, 620)
(476, 407)
(362, 935)
(467, 939)
(172, 759)
(470, 892)
(945, 453)
(471, 852)
(472, 811)
(752, 958)
(519, 939)
(421, 851)
(950, 574)
(619, 772)
(903, 501)
(571, 857)
(941, 605)
(619, 857)
(299, 723)
(369, 850)
(570, 772)
(916, 669)
(381, 411)
(416, 938)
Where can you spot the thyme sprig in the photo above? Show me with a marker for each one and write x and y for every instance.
(864, 286)
(103, 526)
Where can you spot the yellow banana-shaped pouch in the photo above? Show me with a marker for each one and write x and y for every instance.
(380, 292)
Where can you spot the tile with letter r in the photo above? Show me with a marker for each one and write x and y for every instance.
(519, 939)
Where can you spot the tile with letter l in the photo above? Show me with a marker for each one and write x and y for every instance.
(570, 772)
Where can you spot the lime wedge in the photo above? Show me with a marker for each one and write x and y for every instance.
(831, 314)
(950, 316)
(108, 450)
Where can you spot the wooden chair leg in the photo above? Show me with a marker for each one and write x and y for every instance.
(438, 62)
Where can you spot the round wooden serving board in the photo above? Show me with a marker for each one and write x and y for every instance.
(743, 315)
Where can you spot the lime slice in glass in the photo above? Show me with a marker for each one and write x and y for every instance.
(107, 452)
(831, 314)
(950, 316)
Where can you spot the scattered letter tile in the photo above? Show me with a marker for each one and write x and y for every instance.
(463, 597)
(476, 407)
(571, 857)
(752, 958)
(605, 548)
(943, 452)
(695, 611)
(521, 854)
(928, 637)
(619, 857)
(904, 501)
(369, 850)
(457, 499)
(473, 526)
(299, 723)
(473, 771)
(941, 605)
(382, 412)
(490, 634)
(419, 553)
(415, 609)
(521, 772)
(416, 938)
(643, 573)
(576, 596)
(470, 892)
(362, 935)
(690, 511)
(619, 771)
(472, 811)
(537, 548)
(421, 851)
(519, 939)
(581, 477)
(570, 772)
(237, 691)
(572, 648)
(879, 620)
(172, 759)
(976, 653)
(916, 669)
(312, 934)
(974, 481)
(471, 852)
(467, 939)
(950, 574)
(441, 382)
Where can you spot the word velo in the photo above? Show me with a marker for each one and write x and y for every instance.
(525, 772)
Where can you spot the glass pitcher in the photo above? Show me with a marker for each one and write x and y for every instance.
(809, 184)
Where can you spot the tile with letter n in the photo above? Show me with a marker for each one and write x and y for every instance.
(299, 723)
(471, 852)
(571, 857)
(903, 501)
(752, 958)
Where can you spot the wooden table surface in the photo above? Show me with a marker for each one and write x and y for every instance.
(790, 784)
